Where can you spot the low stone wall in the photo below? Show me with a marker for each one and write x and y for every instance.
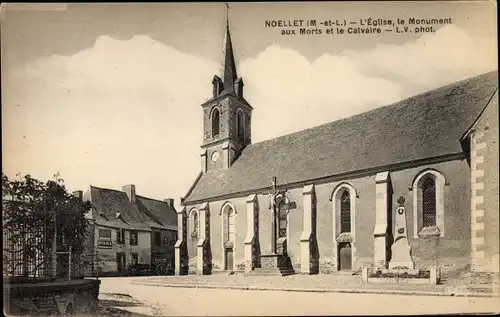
(401, 276)
(48, 298)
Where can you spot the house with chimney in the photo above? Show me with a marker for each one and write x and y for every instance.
(127, 229)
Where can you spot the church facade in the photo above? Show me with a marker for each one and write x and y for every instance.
(325, 199)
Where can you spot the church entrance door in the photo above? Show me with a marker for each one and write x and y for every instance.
(229, 259)
(345, 256)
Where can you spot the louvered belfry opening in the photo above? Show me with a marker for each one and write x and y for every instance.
(429, 202)
(215, 122)
(345, 212)
(241, 126)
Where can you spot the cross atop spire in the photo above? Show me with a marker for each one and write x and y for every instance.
(227, 14)
(229, 74)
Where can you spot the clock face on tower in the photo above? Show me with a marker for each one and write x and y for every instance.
(215, 156)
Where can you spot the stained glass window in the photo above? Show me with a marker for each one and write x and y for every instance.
(194, 231)
(230, 224)
(429, 202)
(345, 212)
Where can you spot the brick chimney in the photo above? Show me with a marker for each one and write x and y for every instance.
(170, 202)
(78, 194)
(130, 191)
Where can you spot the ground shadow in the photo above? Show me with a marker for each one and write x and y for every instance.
(117, 304)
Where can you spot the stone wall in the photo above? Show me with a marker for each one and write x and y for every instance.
(52, 298)
(452, 249)
(485, 196)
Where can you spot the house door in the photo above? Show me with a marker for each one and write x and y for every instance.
(120, 262)
(345, 257)
(229, 259)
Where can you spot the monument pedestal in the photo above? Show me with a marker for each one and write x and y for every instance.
(274, 264)
(401, 255)
(401, 250)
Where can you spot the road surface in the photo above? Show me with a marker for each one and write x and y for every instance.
(163, 301)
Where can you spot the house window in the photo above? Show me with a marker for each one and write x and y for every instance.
(282, 219)
(240, 125)
(215, 122)
(104, 234)
(345, 212)
(157, 238)
(428, 204)
(120, 236)
(134, 258)
(134, 238)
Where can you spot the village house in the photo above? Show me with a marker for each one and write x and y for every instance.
(326, 199)
(127, 229)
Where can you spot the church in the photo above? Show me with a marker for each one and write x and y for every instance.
(327, 199)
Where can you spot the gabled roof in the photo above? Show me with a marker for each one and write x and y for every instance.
(425, 126)
(106, 203)
(473, 126)
(159, 213)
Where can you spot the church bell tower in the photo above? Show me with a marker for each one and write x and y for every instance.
(226, 116)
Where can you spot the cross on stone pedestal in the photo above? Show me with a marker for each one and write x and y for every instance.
(272, 206)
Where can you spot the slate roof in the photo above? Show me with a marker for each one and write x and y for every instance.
(106, 203)
(159, 214)
(424, 126)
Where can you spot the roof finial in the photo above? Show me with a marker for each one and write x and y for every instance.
(227, 14)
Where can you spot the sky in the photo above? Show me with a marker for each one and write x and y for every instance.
(110, 94)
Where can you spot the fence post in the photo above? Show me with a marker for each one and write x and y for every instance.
(70, 260)
(54, 249)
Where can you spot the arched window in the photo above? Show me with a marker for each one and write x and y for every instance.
(282, 219)
(240, 125)
(194, 224)
(229, 223)
(344, 199)
(215, 122)
(429, 202)
(345, 212)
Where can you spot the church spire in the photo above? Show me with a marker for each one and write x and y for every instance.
(229, 74)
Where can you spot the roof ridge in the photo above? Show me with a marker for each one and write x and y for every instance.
(105, 188)
(370, 112)
(158, 200)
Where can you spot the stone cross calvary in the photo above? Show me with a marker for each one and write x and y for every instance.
(272, 207)
(273, 194)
